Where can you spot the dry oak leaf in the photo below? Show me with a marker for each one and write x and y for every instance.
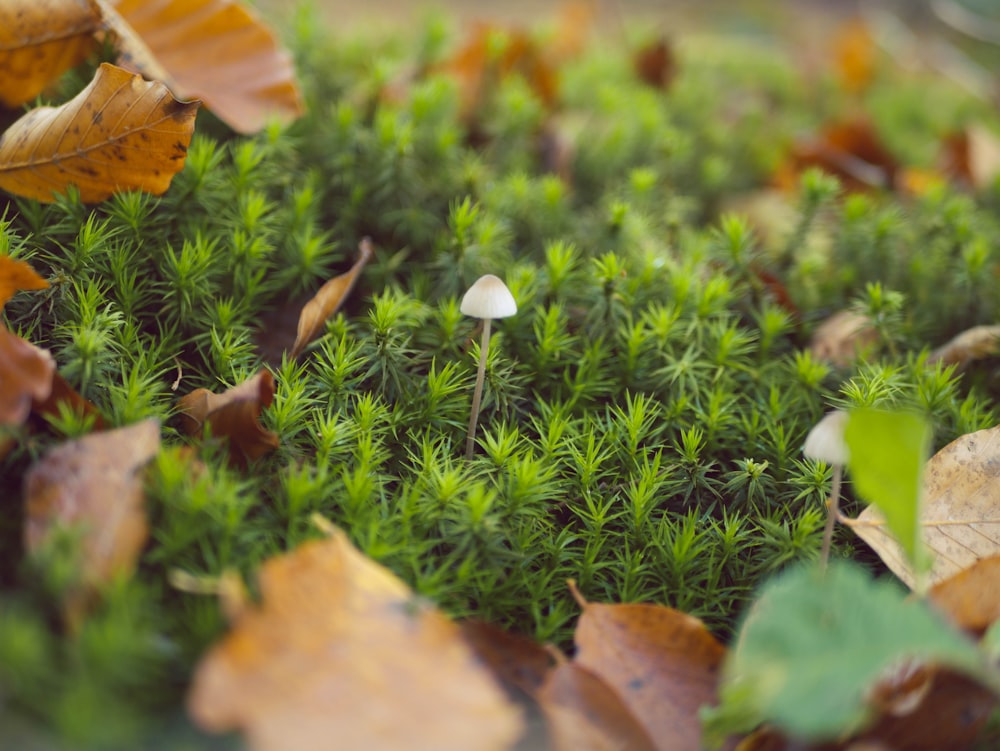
(94, 482)
(233, 414)
(972, 344)
(517, 662)
(120, 133)
(662, 663)
(971, 598)
(39, 40)
(961, 510)
(26, 374)
(585, 714)
(842, 338)
(218, 51)
(340, 653)
(328, 300)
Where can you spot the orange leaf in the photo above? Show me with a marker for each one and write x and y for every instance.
(95, 483)
(584, 714)
(15, 276)
(855, 56)
(971, 598)
(40, 40)
(120, 133)
(234, 414)
(662, 663)
(328, 300)
(62, 393)
(340, 653)
(218, 51)
(25, 376)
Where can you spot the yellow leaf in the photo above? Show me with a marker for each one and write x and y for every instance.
(961, 517)
(218, 51)
(39, 40)
(328, 300)
(120, 133)
(341, 654)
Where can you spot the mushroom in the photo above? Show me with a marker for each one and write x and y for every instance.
(488, 298)
(825, 443)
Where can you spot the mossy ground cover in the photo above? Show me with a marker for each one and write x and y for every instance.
(644, 411)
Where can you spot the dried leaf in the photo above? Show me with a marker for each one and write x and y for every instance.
(972, 344)
(218, 51)
(62, 393)
(971, 598)
(518, 663)
(95, 483)
(655, 64)
(341, 653)
(961, 518)
(234, 415)
(662, 663)
(328, 300)
(25, 377)
(40, 40)
(842, 338)
(855, 56)
(16, 276)
(851, 150)
(585, 714)
(119, 133)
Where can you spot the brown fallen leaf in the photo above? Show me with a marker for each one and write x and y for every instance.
(655, 64)
(93, 483)
(961, 515)
(972, 344)
(971, 598)
(341, 653)
(233, 415)
(62, 393)
(26, 374)
(842, 338)
(119, 133)
(218, 51)
(328, 299)
(40, 40)
(662, 663)
(585, 714)
(852, 150)
(518, 663)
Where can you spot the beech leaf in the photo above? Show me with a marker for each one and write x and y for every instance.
(972, 344)
(16, 276)
(218, 51)
(585, 714)
(341, 653)
(661, 662)
(40, 40)
(960, 521)
(94, 483)
(233, 415)
(120, 133)
(25, 377)
(328, 300)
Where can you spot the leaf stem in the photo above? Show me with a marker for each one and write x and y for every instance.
(477, 395)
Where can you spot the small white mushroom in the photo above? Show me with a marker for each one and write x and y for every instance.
(488, 298)
(826, 443)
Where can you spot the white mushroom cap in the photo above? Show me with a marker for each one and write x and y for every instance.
(825, 441)
(488, 298)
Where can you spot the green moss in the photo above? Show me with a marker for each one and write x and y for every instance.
(643, 413)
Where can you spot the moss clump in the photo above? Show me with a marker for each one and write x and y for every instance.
(643, 413)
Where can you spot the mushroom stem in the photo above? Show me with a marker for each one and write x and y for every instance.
(477, 395)
(832, 512)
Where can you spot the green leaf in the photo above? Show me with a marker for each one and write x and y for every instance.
(813, 646)
(888, 454)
